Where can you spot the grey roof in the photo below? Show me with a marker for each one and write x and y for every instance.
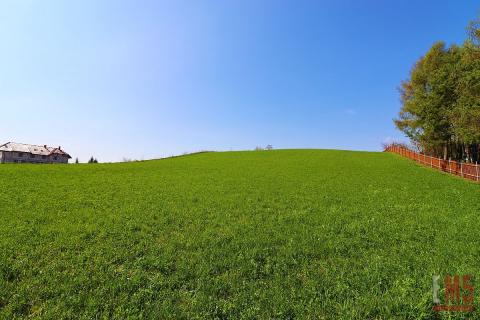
(34, 149)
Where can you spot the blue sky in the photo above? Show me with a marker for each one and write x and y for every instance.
(145, 79)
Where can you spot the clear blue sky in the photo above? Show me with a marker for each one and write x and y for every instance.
(144, 79)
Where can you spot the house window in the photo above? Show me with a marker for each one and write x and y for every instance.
(20, 154)
(55, 158)
(44, 157)
(32, 155)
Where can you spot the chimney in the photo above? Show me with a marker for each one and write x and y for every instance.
(59, 148)
(45, 146)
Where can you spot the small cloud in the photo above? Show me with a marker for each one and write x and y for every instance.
(350, 112)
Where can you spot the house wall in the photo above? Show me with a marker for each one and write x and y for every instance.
(19, 157)
(15, 157)
(6, 157)
(60, 159)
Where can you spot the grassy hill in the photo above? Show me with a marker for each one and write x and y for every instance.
(288, 233)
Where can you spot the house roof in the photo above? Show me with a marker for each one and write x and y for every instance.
(34, 149)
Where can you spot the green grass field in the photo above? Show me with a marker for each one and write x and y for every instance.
(266, 234)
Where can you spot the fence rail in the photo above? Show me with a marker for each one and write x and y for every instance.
(468, 171)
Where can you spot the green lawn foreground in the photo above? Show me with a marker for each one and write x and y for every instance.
(266, 234)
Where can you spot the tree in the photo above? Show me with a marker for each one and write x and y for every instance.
(441, 100)
(76, 160)
(473, 31)
(93, 160)
(428, 98)
(466, 116)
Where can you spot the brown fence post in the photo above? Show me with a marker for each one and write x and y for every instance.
(476, 168)
(461, 169)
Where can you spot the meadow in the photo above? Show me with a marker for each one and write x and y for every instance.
(284, 234)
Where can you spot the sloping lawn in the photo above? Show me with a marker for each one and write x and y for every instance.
(267, 234)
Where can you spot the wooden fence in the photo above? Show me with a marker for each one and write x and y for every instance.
(466, 170)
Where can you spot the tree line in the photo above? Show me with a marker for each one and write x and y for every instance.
(440, 110)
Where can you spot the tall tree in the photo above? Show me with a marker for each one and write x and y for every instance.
(428, 98)
(474, 32)
(466, 115)
(441, 100)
